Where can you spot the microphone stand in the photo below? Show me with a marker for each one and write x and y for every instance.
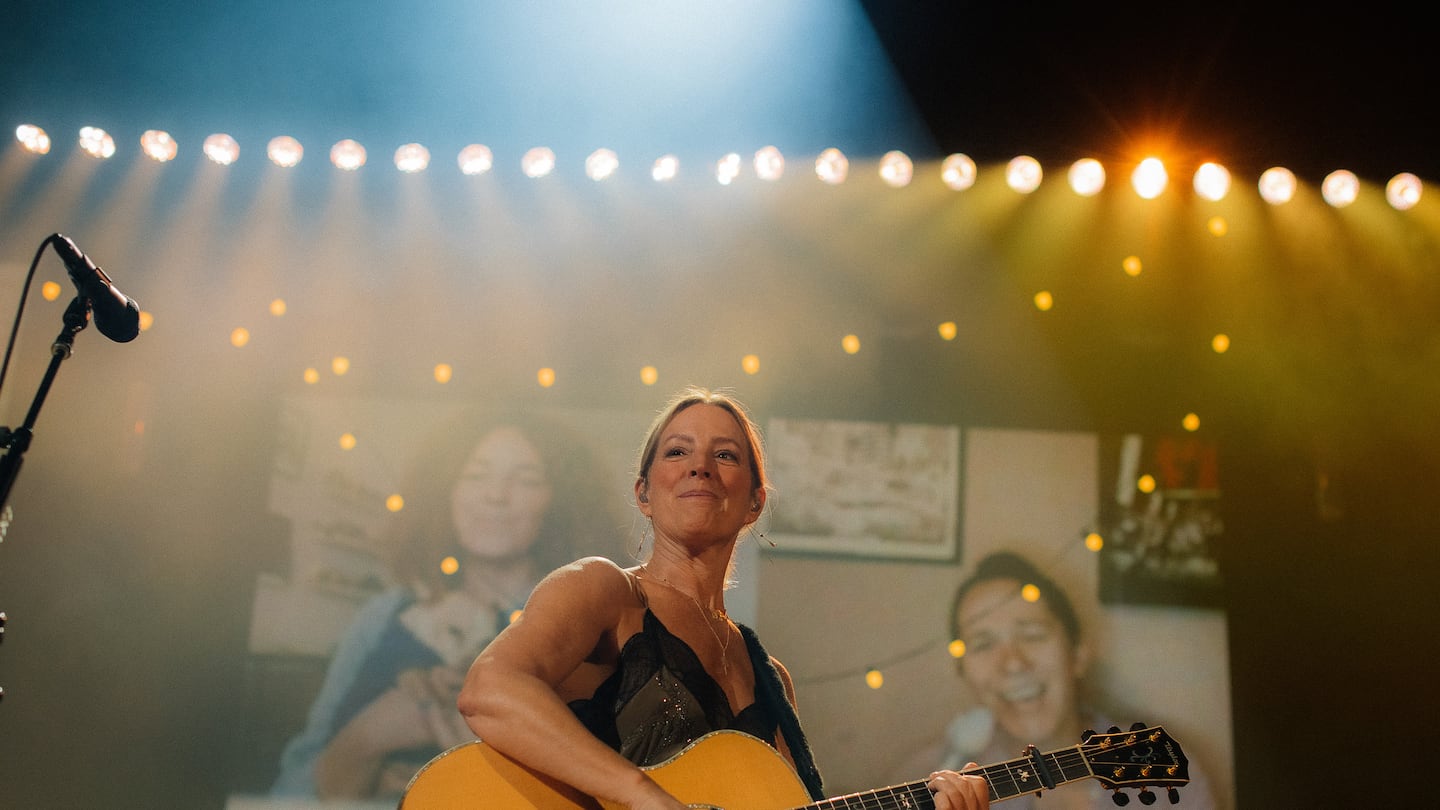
(17, 441)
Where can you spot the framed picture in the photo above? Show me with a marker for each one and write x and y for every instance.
(864, 489)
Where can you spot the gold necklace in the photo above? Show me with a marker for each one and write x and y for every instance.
(708, 617)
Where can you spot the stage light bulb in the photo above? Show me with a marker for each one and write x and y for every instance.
(1087, 177)
(221, 149)
(874, 679)
(1403, 191)
(239, 336)
(33, 139)
(1191, 422)
(449, 566)
(347, 441)
(1220, 343)
(1044, 301)
(1132, 266)
(1145, 483)
(443, 373)
(340, 366)
(395, 503)
(1277, 185)
(311, 376)
(96, 142)
(649, 375)
(851, 344)
(1149, 178)
(1094, 542)
(601, 164)
(1340, 188)
(956, 648)
(284, 151)
(50, 291)
(958, 172)
(948, 330)
(896, 169)
(832, 167)
(347, 155)
(546, 377)
(158, 145)
(537, 162)
(1030, 592)
(412, 158)
(727, 169)
(475, 159)
(147, 320)
(750, 364)
(1212, 181)
(1023, 174)
(769, 163)
(665, 168)
(278, 307)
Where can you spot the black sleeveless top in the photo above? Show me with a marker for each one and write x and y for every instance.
(660, 699)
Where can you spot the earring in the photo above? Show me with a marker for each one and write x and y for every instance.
(649, 529)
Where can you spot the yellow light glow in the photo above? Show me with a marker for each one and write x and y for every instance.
(1220, 343)
(750, 364)
(649, 375)
(948, 330)
(221, 149)
(284, 151)
(1044, 301)
(958, 172)
(239, 336)
(277, 307)
(769, 163)
(443, 373)
(1340, 188)
(96, 142)
(1149, 178)
(395, 503)
(347, 441)
(956, 648)
(1146, 484)
(1030, 593)
(34, 139)
(347, 155)
(449, 566)
(411, 158)
(516, 614)
(832, 167)
(1094, 541)
(1023, 174)
(537, 162)
(1087, 177)
(546, 377)
(601, 164)
(1132, 266)
(874, 679)
(666, 168)
(1403, 191)
(50, 290)
(850, 343)
(1218, 226)
(896, 169)
(474, 159)
(727, 169)
(158, 145)
(1191, 422)
(340, 366)
(147, 320)
(311, 376)
(1212, 181)
(1277, 185)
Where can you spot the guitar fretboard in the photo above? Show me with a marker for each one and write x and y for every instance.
(1007, 780)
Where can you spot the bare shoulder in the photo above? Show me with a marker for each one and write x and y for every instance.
(587, 578)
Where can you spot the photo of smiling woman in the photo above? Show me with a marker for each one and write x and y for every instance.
(1026, 657)
(493, 502)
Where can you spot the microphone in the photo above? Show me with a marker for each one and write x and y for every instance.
(117, 316)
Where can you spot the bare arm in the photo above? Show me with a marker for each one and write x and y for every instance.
(511, 696)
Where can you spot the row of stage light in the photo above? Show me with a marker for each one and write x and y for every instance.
(1023, 174)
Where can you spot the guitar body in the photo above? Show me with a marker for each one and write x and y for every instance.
(724, 769)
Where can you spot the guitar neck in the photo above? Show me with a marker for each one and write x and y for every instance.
(1015, 777)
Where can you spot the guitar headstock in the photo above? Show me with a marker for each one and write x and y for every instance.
(1142, 757)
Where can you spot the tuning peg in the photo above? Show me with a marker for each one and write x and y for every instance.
(1137, 726)
(1120, 799)
(1114, 730)
(1173, 795)
(1146, 797)
(1087, 734)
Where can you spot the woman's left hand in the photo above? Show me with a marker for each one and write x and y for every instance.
(959, 791)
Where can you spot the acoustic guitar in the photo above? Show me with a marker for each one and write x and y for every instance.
(734, 771)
